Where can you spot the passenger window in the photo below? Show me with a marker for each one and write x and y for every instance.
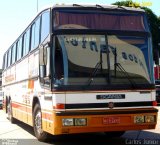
(13, 53)
(45, 28)
(3, 65)
(5, 61)
(26, 42)
(35, 34)
(9, 58)
(19, 49)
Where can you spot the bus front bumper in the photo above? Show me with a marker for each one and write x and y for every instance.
(104, 121)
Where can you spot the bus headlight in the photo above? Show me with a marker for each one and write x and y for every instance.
(67, 122)
(80, 121)
(149, 119)
(139, 119)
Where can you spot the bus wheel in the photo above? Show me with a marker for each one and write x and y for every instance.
(10, 113)
(37, 124)
(115, 134)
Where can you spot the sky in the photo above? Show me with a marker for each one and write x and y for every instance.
(15, 15)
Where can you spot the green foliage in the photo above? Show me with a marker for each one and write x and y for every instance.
(154, 26)
(154, 21)
(127, 3)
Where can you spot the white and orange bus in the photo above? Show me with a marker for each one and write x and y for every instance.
(82, 68)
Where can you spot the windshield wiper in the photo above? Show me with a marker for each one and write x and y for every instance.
(99, 64)
(104, 49)
(126, 74)
(108, 60)
(118, 65)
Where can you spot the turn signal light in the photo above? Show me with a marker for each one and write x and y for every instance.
(154, 103)
(59, 106)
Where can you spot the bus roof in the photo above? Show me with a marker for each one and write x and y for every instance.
(107, 7)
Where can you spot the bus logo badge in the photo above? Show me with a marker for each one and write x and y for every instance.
(111, 105)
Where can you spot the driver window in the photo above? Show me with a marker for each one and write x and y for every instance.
(59, 69)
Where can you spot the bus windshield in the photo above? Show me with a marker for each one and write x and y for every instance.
(91, 65)
(115, 58)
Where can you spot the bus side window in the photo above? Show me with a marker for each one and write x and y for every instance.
(5, 61)
(19, 49)
(45, 25)
(35, 35)
(13, 53)
(9, 58)
(26, 42)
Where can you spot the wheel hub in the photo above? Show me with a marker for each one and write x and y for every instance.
(38, 122)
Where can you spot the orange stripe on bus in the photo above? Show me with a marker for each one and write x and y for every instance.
(21, 107)
(47, 116)
(24, 108)
(31, 84)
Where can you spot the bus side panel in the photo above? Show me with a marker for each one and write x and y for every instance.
(28, 86)
(4, 92)
(34, 88)
(20, 91)
(8, 79)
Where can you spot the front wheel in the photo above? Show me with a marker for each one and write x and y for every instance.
(115, 134)
(37, 124)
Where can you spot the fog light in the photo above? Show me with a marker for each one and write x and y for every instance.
(139, 119)
(149, 119)
(67, 122)
(80, 121)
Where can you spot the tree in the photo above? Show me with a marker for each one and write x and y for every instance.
(154, 22)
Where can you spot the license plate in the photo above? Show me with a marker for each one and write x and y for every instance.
(111, 120)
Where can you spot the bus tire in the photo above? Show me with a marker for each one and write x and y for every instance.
(10, 113)
(6, 104)
(37, 124)
(114, 134)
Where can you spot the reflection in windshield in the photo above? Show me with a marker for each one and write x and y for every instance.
(85, 51)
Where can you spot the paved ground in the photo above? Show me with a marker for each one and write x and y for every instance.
(22, 134)
(8, 130)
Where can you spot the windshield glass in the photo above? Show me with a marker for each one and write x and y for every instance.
(100, 20)
(87, 59)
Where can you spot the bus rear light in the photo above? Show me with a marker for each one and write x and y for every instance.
(154, 103)
(59, 106)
